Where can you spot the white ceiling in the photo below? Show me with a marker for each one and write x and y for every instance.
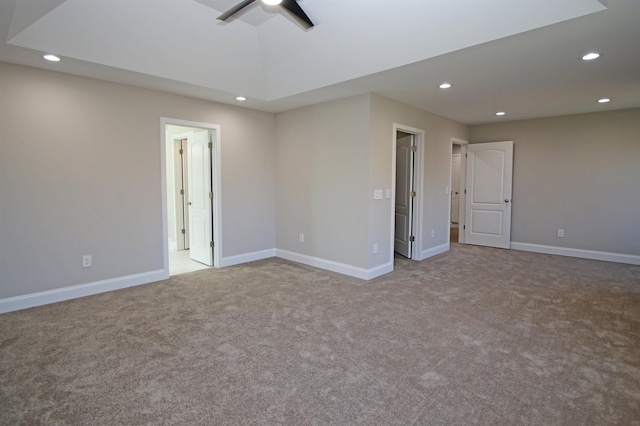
(520, 56)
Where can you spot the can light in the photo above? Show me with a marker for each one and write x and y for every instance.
(590, 56)
(272, 2)
(240, 98)
(604, 100)
(445, 85)
(52, 58)
(501, 113)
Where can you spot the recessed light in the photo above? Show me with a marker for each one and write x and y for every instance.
(501, 113)
(241, 98)
(272, 2)
(604, 100)
(52, 58)
(590, 56)
(445, 85)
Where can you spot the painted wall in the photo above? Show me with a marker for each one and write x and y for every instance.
(437, 164)
(322, 163)
(580, 173)
(80, 174)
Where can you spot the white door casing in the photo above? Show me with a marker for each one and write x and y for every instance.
(200, 198)
(404, 198)
(488, 198)
(455, 188)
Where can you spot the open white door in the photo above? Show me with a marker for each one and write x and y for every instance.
(200, 198)
(404, 195)
(488, 199)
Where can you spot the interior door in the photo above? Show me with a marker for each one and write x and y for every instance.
(404, 198)
(200, 198)
(455, 188)
(488, 199)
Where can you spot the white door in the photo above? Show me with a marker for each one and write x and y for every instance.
(455, 188)
(200, 198)
(404, 195)
(488, 200)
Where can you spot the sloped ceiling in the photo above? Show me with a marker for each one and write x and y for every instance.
(519, 56)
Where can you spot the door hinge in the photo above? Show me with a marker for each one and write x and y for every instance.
(211, 244)
(184, 232)
(412, 194)
(181, 151)
(210, 145)
(211, 195)
(464, 226)
(414, 148)
(182, 192)
(466, 156)
(412, 238)
(465, 191)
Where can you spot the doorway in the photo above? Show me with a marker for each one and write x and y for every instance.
(407, 181)
(457, 191)
(191, 195)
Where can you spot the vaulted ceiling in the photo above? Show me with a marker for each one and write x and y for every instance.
(518, 56)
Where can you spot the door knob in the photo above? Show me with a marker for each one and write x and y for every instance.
(506, 200)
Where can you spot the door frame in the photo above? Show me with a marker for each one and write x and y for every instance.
(180, 222)
(418, 181)
(462, 190)
(216, 185)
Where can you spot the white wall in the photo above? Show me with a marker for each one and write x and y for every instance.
(580, 173)
(80, 174)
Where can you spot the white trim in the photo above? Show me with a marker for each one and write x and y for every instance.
(433, 251)
(341, 268)
(74, 292)
(418, 174)
(217, 180)
(572, 252)
(247, 257)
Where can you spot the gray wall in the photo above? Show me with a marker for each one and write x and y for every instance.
(580, 173)
(437, 166)
(322, 159)
(80, 173)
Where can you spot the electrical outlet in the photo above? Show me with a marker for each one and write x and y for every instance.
(301, 238)
(375, 248)
(86, 261)
(560, 233)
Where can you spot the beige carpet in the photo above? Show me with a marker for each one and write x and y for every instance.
(473, 336)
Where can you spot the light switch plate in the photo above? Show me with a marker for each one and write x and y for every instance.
(377, 194)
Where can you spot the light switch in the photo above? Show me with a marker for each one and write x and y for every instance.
(388, 193)
(377, 194)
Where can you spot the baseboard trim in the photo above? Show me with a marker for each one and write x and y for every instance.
(584, 254)
(330, 265)
(74, 292)
(433, 251)
(247, 257)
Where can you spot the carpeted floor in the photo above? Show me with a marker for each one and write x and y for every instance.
(473, 336)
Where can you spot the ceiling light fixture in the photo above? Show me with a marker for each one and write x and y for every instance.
(501, 113)
(52, 58)
(445, 85)
(590, 56)
(240, 98)
(272, 2)
(604, 100)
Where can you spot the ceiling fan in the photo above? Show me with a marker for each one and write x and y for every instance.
(291, 6)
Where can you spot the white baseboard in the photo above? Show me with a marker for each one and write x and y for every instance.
(433, 251)
(584, 254)
(74, 292)
(341, 268)
(247, 257)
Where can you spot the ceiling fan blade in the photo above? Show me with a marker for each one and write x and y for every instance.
(294, 8)
(237, 8)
